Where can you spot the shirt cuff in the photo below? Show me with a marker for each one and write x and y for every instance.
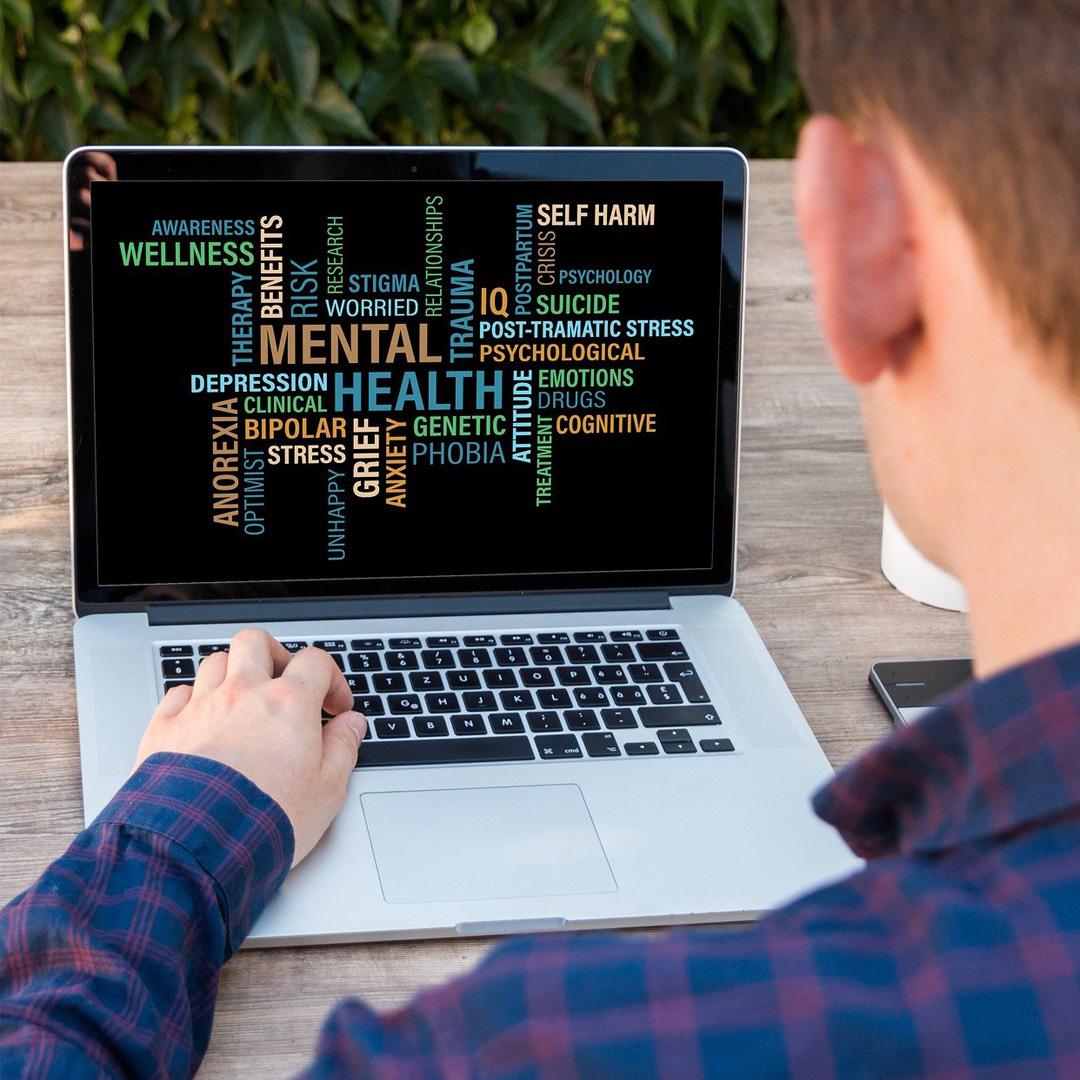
(238, 835)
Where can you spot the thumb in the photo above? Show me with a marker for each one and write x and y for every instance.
(341, 741)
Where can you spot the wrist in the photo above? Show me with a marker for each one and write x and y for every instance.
(237, 834)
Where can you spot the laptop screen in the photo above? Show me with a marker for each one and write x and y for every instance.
(474, 384)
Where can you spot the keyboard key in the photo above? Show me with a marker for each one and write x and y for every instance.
(686, 747)
(601, 744)
(662, 635)
(553, 639)
(437, 658)
(364, 644)
(591, 695)
(536, 676)
(582, 654)
(401, 704)
(176, 650)
(463, 680)
(475, 640)
(505, 723)
(662, 651)
(444, 642)
(510, 657)
(672, 734)
(392, 683)
(572, 676)
(474, 657)
(442, 703)
(404, 643)
(392, 729)
(554, 747)
(554, 699)
(618, 718)
(402, 659)
(468, 724)
(208, 650)
(338, 659)
(683, 715)
(480, 701)
(370, 705)
(500, 678)
(687, 678)
(330, 645)
(178, 682)
(178, 669)
(625, 635)
(583, 636)
(517, 699)
(581, 720)
(546, 654)
(517, 639)
(358, 684)
(664, 694)
(365, 661)
(426, 680)
(430, 727)
(606, 674)
(617, 653)
(645, 673)
(627, 695)
(543, 721)
(447, 751)
(640, 749)
(297, 646)
(713, 746)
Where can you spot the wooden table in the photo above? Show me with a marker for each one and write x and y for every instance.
(807, 572)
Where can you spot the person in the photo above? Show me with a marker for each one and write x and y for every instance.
(938, 196)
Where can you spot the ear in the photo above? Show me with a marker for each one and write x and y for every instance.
(854, 223)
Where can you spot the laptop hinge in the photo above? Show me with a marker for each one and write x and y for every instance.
(396, 607)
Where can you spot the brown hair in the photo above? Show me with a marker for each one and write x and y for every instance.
(988, 92)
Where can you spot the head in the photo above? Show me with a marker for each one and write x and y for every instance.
(938, 193)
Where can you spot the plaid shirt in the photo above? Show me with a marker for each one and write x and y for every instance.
(955, 953)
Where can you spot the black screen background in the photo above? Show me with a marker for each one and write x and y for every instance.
(620, 502)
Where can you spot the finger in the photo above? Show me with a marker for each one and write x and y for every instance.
(313, 672)
(211, 674)
(341, 738)
(173, 701)
(255, 653)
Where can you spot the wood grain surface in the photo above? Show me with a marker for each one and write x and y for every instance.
(810, 526)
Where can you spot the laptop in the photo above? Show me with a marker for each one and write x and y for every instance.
(468, 420)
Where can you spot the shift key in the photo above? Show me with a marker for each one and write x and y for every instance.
(654, 716)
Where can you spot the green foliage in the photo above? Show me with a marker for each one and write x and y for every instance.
(650, 72)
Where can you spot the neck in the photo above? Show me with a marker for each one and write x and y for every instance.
(1017, 548)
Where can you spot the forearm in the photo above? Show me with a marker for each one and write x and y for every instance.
(111, 959)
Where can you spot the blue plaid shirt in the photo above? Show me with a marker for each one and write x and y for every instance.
(954, 954)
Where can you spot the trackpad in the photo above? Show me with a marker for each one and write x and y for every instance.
(485, 843)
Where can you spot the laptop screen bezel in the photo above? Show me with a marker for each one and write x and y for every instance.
(196, 164)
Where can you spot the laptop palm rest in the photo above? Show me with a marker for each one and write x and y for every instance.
(485, 843)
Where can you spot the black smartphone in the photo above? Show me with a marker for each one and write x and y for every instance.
(909, 688)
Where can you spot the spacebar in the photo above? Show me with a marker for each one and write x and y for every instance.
(445, 751)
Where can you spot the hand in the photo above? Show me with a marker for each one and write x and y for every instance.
(258, 709)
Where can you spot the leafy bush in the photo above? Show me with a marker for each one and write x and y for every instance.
(682, 72)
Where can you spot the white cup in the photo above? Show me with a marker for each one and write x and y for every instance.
(914, 574)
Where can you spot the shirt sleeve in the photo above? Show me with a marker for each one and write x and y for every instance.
(786, 997)
(110, 961)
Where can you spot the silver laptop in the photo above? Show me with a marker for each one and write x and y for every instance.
(467, 419)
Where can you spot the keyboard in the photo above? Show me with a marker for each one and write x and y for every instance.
(549, 696)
